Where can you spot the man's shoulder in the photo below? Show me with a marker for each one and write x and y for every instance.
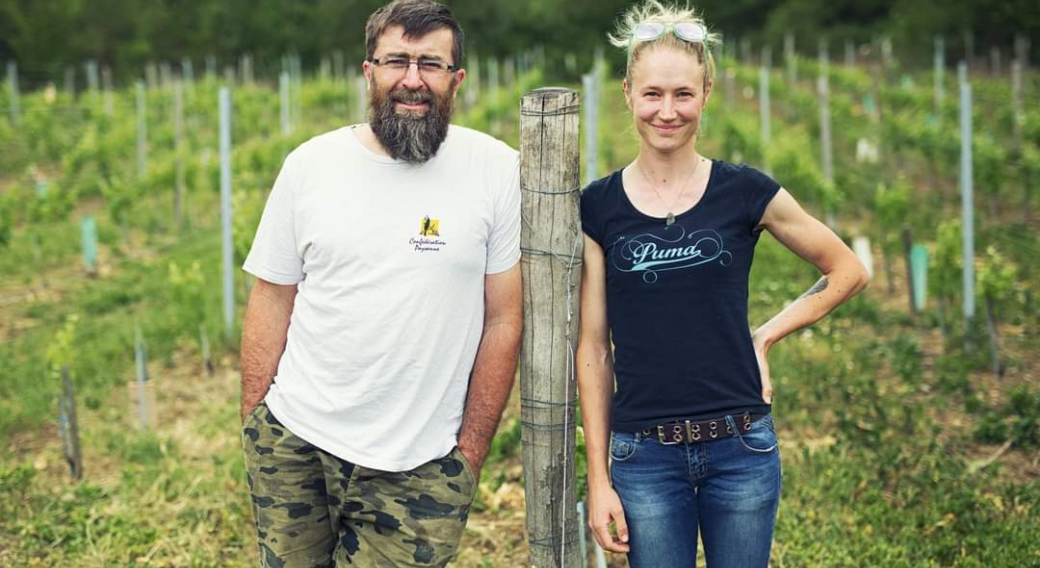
(477, 141)
(331, 141)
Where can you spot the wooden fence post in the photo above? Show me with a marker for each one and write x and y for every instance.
(106, 90)
(225, 211)
(88, 231)
(283, 98)
(591, 86)
(70, 426)
(790, 60)
(939, 66)
(15, 99)
(91, 71)
(919, 270)
(142, 391)
(764, 113)
(179, 190)
(552, 253)
(142, 131)
(826, 144)
(911, 283)
(967, 190)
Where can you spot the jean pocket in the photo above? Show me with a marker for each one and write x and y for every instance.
(761, 438)
(622, 447)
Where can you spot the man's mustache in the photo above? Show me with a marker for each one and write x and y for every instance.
(412, 97)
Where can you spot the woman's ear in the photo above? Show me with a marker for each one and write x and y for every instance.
(628, 92)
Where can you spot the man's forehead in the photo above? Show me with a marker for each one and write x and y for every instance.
(436, 42)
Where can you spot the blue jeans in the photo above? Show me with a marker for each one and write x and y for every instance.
(729, 489)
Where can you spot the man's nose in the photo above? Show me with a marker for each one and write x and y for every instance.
(412, 78)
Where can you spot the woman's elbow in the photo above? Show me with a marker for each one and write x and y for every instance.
(592, 354)
(861, 277)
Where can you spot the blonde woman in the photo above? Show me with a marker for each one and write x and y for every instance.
(669, 241)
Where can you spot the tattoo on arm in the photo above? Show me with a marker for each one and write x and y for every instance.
(820, 286)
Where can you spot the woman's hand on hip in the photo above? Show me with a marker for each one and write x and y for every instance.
(762, 354)
(604, 510)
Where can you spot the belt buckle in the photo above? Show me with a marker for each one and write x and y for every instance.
(676, 435)
(693, 432)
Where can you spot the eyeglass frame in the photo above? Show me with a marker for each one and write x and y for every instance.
(667, 27)
(442, 66)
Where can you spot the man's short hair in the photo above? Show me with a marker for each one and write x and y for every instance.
(418, 18)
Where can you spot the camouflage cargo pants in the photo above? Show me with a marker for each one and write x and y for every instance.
(313, 509)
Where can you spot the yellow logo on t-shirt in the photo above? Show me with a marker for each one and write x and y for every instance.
(430, 227)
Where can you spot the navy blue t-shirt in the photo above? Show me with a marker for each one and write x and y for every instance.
(677, 298)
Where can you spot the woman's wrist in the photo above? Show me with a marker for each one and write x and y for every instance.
(598, 479)
(762, 338)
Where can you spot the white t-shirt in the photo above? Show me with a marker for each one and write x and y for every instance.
(390, 259)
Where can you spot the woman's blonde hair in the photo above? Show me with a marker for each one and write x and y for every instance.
(654, 11)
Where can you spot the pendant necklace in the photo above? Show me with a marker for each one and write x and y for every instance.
(670, 219)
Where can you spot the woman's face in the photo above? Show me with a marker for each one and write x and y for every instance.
(666, 96)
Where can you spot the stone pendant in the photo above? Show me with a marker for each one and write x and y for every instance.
(670, 220)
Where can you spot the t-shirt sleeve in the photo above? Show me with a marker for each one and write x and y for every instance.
(759, 190)
(273, 255)
(503, 249)
(589, 220)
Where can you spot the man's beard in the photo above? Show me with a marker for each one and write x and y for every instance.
(407, 136)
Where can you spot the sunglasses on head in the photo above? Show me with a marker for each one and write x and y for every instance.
(692, 32)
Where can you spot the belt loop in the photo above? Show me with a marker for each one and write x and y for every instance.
(731, 423)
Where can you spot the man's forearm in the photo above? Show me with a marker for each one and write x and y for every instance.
(490, 384)
(264, 334)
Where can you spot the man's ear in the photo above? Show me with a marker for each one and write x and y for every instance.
(366, 70)
(460, 76)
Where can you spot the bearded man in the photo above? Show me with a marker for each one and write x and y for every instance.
(380, 340)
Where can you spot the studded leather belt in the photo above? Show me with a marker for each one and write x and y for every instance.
(691, 431)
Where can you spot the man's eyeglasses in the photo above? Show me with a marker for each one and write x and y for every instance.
(426, 67)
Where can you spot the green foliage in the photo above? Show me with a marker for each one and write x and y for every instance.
(952, 374)
(989, 163)
(891, 208)
(1017, 420)
(187, 296)
(1030, 160)
(505, 443)
(6, 220)
(741, 141)
(248, 209)
(62, 351)
(945, 278)
(140, 448)
(53, 206)
(119, 195)
(1024, 408)
(1031, 127)
(997, 277)
(905, 353)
